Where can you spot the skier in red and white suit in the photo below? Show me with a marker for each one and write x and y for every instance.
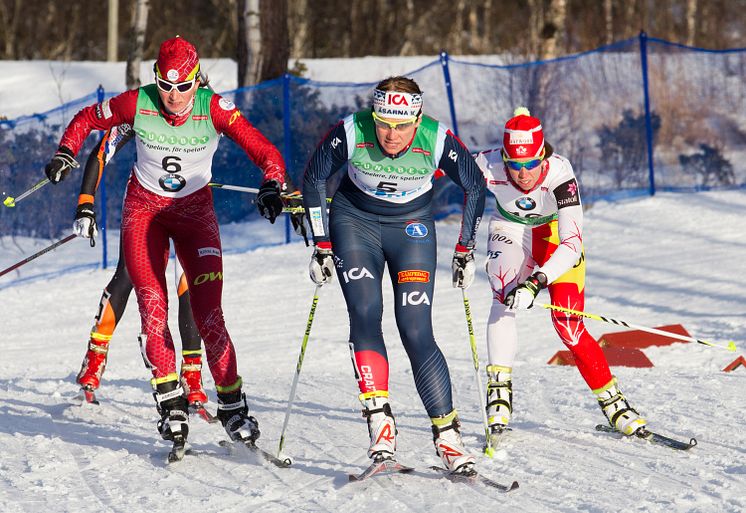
(536, 241)
(177, 126)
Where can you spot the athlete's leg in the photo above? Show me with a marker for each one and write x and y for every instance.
(410, 247)
(509, 262)
(196, 237)
(146, 245)
(110, 309)
(191, 343)
(360, 265)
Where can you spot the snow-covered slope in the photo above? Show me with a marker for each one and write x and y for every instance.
(661, 260)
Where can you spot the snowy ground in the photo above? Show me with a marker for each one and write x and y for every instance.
(656, 261)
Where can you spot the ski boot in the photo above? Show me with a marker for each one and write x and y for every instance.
(499, 399)
(191, 378)
(233, 412)
(93, 366)
(619, 413)
(174, 424)
(450, 447)
(381, 427)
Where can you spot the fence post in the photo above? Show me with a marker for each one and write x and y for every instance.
(287, 139)
(449, 90)
(102, 188)
(648, 119)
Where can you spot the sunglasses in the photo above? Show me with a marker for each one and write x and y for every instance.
(517, 166)
(167, 87)
(398, 126)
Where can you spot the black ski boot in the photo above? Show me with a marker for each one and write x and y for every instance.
(233, 412)
(174, 423)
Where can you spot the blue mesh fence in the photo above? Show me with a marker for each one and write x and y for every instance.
(633, 117)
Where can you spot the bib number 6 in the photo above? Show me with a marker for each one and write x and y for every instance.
(170, 164)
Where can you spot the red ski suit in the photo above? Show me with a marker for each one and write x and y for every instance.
(149, 219)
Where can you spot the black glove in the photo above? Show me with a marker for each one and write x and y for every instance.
(268, 200)
(85, 222)
(60, 165)
(522, 297)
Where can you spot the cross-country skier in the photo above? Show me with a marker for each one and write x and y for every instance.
(177, 124)
(382, 214)
(117, 291)
(536, 242)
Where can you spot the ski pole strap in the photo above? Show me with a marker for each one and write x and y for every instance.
(730, 346)
(38, 254)
(10, 201)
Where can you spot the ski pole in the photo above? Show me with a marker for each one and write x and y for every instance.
(297, 372)
(731, 346)
(488, 450)
(10, 201)
(38, 254)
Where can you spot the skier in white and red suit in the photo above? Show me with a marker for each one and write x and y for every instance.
(535, 242)
(177, 125)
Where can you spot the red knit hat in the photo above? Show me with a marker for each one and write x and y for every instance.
(177, 60)
(524, 138)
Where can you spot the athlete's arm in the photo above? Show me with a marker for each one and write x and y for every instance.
(459, 165)
(113, 139)
(100, 116)
(570, 230)
(228, 120)
(329, 157)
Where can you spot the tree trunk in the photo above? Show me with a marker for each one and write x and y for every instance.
(137, 43)
(299, 28)
(609, 21)
(275, 46)
(691, 21)
(10, 30)
(249, 42)
(554, 29)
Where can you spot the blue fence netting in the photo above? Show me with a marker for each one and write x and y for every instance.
(634, 117)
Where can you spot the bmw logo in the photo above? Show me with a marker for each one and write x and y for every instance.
(525, 203)
(416, 230)
(172, 182)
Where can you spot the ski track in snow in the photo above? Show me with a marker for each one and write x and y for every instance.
(654, 261)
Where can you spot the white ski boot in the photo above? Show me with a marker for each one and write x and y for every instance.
(233, 412)
(499, 398)
(381, 427)
(449, 446)
(619, 413)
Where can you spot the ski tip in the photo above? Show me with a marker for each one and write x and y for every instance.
(514, 485)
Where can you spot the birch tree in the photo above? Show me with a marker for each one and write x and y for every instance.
(136, 43)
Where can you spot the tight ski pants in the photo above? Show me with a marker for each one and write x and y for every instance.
(148, 221)
(363, 243)
(513, 251)
(114, 301)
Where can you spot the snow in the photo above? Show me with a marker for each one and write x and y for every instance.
(672, 258)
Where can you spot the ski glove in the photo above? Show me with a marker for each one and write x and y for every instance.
(60, 165)
(522, 297)
(85, 222)
(268, 200)
(321, 268)
(463, 267)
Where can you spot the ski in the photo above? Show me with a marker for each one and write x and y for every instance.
(200, 411)
(474, 477)
(251, 446)
(387, 466)
(654, 438)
